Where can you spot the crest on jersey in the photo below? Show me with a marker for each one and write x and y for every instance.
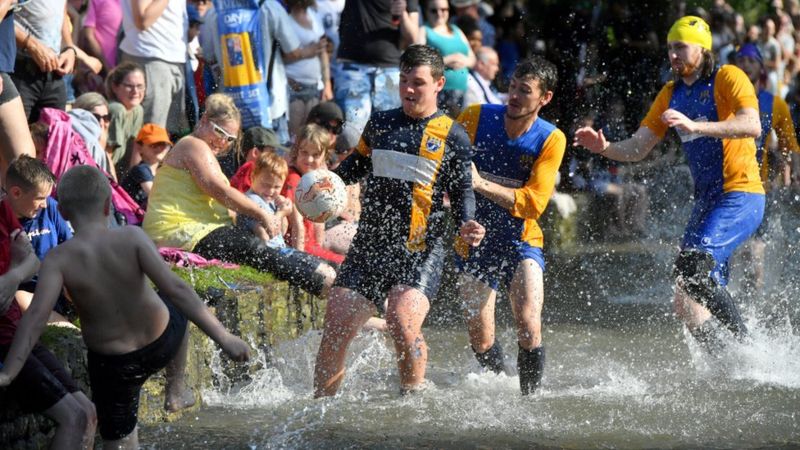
(705, 96)
(433, 144)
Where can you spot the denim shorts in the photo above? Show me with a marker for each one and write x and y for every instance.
(304, 92)
(362, 89)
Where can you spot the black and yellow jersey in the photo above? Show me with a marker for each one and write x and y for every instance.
(409, 164)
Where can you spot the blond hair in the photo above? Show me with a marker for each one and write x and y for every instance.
(268, 162)
(220, 108)
(83, 190)
(318, 136)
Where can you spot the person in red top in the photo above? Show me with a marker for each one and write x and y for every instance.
(309, 152)
(238, 166)
(43, 384)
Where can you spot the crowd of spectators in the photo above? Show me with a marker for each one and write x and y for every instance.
(135, 75)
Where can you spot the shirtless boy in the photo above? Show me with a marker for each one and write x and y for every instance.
(129, 331)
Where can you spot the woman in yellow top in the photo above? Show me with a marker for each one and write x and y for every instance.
(189, 202)
(714, 110)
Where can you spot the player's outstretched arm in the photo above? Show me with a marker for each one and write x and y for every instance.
(185, 298)
(635, 148)
(206, 173)
(744, 124)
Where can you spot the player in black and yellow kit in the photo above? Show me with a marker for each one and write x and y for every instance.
(410, 157)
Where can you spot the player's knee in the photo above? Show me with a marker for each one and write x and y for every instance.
(401, 330)
(482, 346)
(327, 273)
(530, 340)
(679, 306)
(693, 268)
(90, 412)
(76, 417)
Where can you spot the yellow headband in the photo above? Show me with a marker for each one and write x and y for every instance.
(691, 29)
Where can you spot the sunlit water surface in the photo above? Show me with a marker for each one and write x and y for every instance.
(636, 386)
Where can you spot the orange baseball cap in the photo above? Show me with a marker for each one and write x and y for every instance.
(152, 134)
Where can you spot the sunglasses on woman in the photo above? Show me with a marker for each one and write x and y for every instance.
(102, 118)
(222, 133)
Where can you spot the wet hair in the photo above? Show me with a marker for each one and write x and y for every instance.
(422, 55)
(221, 108)
(89, 101)
(538, 68)
(709, 63)
(268, 162)
(29, 173)
(83, 190)
(318, 136)
(118, 74)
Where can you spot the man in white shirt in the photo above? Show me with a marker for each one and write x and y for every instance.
(479, 82)
(155, 38)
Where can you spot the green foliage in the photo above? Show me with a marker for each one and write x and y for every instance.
(216, 277)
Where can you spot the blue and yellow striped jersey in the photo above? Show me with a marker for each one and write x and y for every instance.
(774, 113)
(718, 165)
(529, 164)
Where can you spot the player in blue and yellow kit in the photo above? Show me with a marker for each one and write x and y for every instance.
(517, 155)
(715, 113)
(775, 115)
(409, 158)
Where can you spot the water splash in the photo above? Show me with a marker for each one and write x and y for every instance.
(630, 387)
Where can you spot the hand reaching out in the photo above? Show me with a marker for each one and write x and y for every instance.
(592, 140)
(236, 348)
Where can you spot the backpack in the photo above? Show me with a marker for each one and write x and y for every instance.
(66, 149)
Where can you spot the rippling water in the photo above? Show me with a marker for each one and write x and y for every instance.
(632, 386)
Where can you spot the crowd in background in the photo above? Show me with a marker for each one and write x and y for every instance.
(151, 70)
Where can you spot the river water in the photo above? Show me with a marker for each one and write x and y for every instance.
(632, 384)
(620, 372)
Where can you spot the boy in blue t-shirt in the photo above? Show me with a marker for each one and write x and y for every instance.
(28, 184)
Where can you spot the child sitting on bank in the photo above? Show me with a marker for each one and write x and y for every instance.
(267, 178)
(28, 185)
(130, 332)
(42, 384)
(152, 144)
(309, 152)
